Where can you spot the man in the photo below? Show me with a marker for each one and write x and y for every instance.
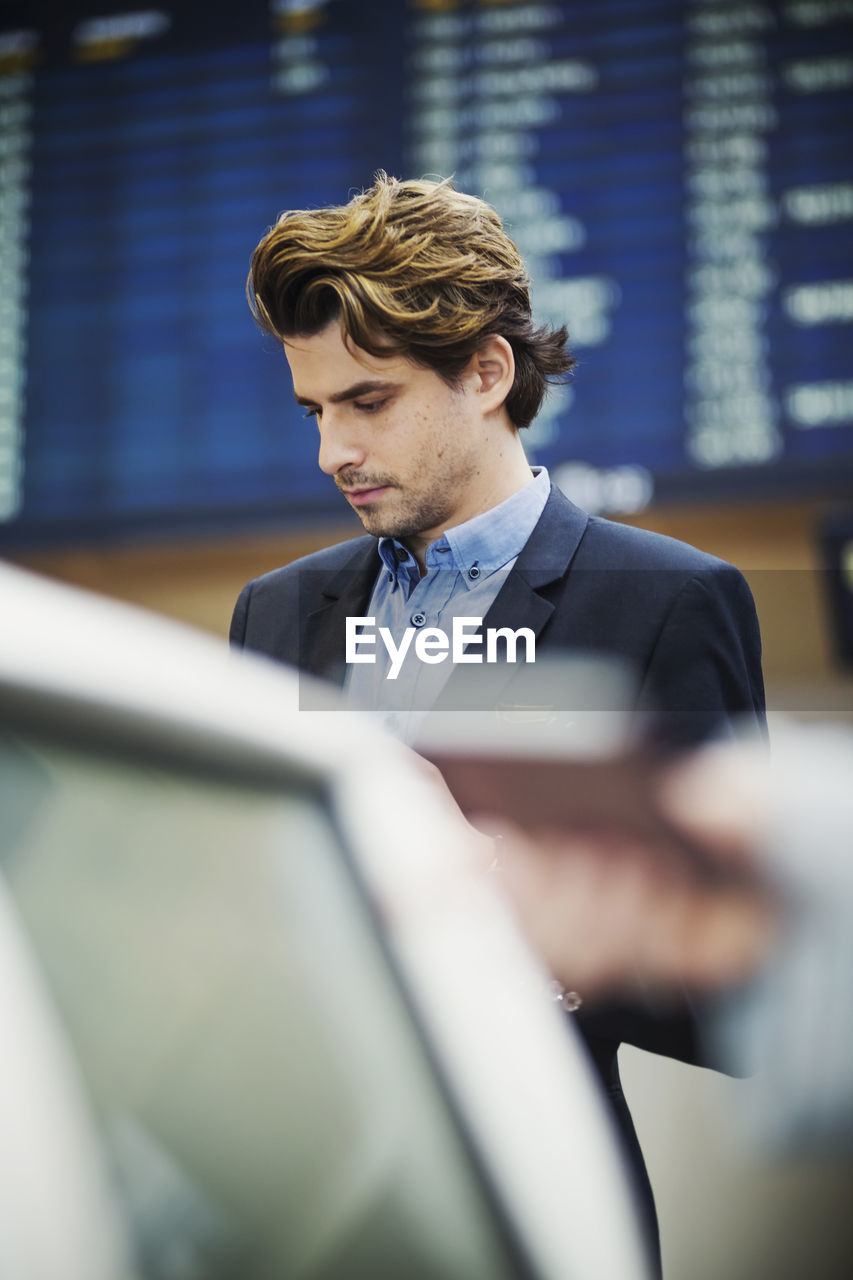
(405, 318)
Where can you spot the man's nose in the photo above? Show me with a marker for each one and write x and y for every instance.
(339, 446)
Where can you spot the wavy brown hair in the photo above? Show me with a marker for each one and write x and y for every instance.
(410, 268)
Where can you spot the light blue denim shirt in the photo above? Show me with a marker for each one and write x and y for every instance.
(465, 570)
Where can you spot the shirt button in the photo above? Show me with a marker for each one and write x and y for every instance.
(401, 553)
(473, 572)
(418, 619)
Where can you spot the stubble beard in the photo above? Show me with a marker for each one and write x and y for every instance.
(411, 516)
(403, 514)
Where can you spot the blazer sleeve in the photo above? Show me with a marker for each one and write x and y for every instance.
(704, 670)
(266, 616)
(237, 632)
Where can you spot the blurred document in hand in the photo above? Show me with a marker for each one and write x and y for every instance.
(560, 746)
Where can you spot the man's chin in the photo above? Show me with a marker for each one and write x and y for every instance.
(379, 527)
(372, 522)
(399, 524)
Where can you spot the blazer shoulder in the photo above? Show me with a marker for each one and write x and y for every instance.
(568, 533)
(341, 555)
(269, 606)
(609, 545)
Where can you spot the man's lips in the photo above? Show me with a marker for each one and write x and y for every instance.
(360, 497)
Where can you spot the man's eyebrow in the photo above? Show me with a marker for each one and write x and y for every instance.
(355, 392)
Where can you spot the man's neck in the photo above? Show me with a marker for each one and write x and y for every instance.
(513, 476)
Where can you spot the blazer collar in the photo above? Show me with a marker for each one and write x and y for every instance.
(549, 549)
(544, 559)
(345, 592)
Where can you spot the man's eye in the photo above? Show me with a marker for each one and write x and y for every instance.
(369, 406)
(311, 413)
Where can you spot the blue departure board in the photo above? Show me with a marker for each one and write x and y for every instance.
(679, 177)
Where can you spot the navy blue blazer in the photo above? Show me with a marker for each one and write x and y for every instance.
(684, 621)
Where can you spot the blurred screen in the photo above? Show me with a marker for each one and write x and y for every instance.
(264, 1098)
(679, 177)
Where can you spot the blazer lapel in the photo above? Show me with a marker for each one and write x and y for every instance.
(329, 597)
(341, 593)
(522, 600)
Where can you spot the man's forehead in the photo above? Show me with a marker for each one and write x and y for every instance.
(329, 362)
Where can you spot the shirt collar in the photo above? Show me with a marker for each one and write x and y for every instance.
(486, 543)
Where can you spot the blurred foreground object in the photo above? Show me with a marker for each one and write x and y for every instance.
(617, 897)
(791, 815)
(728, 871)
(296, 1042)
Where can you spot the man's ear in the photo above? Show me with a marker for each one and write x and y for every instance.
(494, 365)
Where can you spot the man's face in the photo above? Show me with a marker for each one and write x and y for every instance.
(405, 449)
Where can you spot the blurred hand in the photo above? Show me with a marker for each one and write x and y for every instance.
(608, 918)
(720, 797)
(474, 843)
